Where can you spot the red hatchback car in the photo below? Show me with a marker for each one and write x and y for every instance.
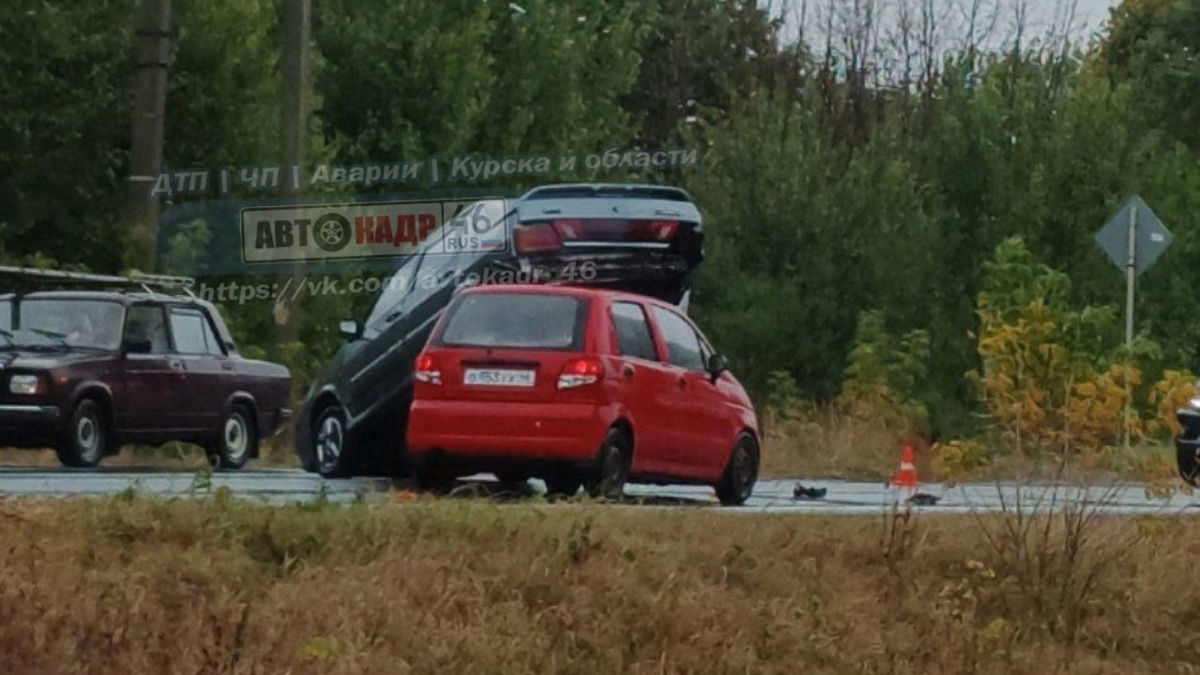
(578, 387)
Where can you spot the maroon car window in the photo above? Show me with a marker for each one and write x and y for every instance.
(188, 329)
(633, 331)
(148, 322)
(683, 345)
(92, 324)
(516, 321)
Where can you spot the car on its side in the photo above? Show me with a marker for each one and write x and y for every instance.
(87, 371)
(578, 387)
(641, 238)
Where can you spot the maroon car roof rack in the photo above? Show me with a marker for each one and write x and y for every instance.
(145, 282)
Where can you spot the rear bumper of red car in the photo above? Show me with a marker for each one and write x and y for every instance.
(516, 431)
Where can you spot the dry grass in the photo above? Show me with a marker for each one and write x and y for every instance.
(128, 585)
(824, 444)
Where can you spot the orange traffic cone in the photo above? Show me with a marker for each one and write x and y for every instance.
(906, 476)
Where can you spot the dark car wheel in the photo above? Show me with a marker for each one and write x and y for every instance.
(741, 473)
(434, 477)
(562, 485)
(613, 463)
(1188, 459)
(329, 443)
(511, 477)
(236, 441)
(85, 441)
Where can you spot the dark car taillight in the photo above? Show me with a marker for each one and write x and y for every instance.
(654, 230)
(535, 238)
(580, 372)
(616, 230)
(427, 370)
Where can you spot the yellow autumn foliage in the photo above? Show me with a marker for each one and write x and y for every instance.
(1169, 394)
(1041, 396)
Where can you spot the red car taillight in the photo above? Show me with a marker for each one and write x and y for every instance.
(616, 230)
(580, 372)
(570, 230)
(427, 370)
(654, 230)
(534, 238)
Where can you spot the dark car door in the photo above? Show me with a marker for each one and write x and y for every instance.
(208, 375)
(379, 371)
(149, 403)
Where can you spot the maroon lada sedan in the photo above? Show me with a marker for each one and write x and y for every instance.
(86, 371)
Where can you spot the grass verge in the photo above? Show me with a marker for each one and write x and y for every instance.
(219, 586)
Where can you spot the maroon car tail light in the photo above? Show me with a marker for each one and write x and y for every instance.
(427, 370)
(537, 238)
(580, 372)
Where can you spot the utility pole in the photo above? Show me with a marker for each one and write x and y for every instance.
(151, 52)
(296, 21)
(297, 26)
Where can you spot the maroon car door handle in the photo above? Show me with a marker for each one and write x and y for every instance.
(682, 383)
(176, 364)
(627, 371)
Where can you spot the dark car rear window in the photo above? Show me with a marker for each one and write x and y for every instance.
(523, 321)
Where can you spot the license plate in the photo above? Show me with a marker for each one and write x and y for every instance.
(499, 378)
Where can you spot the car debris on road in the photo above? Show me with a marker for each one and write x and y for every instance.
(802, 492)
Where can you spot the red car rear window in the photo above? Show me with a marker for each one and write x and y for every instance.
(517, 321)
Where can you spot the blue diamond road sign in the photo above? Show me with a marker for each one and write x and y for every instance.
(1151, 237)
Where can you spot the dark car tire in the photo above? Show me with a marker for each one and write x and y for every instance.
(613, 463)
(329, 444)
(511, 476)
(86, 439)
(1189, 464)
(741, 472)
(433, 478)
(562, 485)
(236, 442)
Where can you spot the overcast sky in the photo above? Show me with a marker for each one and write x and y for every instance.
(1042, 16)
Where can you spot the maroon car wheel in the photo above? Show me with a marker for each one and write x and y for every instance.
(85, 440)
(236, 441)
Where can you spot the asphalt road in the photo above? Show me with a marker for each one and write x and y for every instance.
(771, 496)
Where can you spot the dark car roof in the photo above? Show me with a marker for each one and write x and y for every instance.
(624, 190)
(583, 292)
(605, 200)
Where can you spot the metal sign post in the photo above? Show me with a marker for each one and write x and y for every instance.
(1130, 273)
(1133, 240)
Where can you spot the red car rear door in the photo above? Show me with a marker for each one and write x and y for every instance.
(649, 390)
(695, 420)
